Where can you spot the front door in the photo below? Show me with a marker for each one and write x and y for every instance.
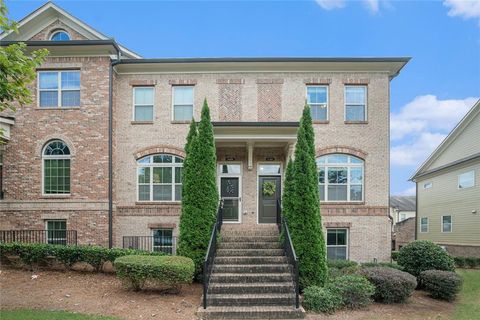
(230, 194)
(268, 195)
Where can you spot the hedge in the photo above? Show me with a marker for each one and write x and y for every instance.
(356, 291)
(320, 299)
(340, 264)
(420, 255)
(391, 285)
(394, 255)
(171, 271)
(391, 265)
(35, 253)
(441, 284)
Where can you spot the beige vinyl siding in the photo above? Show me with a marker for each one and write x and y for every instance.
(444, 198)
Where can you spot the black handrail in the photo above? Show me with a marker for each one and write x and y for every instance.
(211, 252)
(61, 237)
(282, 224)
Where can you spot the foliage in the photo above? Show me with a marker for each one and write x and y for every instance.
(200, 194)
(171, 271)
(440, 284)
(302, 208)
(467, 262)
(391, 285)
(23, 314)
(394, 255)
(340, 264)
(320, 299)
(392, 265)
(35, 253)
(356, 291)
(338, 268)
(467, 305)
(460, 261)
(421, 255)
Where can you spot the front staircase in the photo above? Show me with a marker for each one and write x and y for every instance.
(250, 277)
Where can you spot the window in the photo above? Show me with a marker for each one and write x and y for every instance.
(143, 103)
(163, 240)
(182, 103)
(160, 178)
(60, 35)
(56, 168)
(424, 225)
(59, 89)
(340, 177)
(337, 244)
(403, 216)
(266, 169)
(446, 223)
(355, 103)
(230, 169)
(317, 99)
(427, 185)
(56, 231)
(466, 180)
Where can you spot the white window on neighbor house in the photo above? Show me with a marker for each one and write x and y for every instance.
(317, 99)
(143, 102)
(337, 244)
(424, 225)
(163, 240)
(56, 231)
(403, 216)
(355, 103)
(159, 178)
(57, 89)
(446, 223)
(183, 97)
(340, 178)
(427, 185)
(466, 180)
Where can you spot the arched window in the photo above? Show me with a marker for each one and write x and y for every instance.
(159, 178)
(56, 168)
(340, 178)
(60, 35)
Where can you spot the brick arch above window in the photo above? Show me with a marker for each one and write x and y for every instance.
(342, 149)
(43, 142)
(159, 149)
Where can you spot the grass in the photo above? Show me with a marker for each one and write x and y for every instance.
(47, 315)
(468, 303)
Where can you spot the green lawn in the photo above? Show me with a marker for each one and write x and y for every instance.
(47, 315)
(468, 304)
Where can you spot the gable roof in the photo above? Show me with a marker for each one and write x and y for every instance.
(49, 12)
(459, 128)
(403, 203)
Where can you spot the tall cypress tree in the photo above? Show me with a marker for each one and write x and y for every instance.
(287, 196)
(304, 210)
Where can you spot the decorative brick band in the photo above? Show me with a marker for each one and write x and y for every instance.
(337, 224)
(137, 83)
(162, 225)
(159, 149)
(269, 81)
(352, 210)
(150, 210)
(180, 82)
(356, 81)
(313, 81)
(342, 149)
(230, 81)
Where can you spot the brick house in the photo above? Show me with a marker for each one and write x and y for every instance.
(100, 150)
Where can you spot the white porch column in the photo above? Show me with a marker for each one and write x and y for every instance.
(250, 145)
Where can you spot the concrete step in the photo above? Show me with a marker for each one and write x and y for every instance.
(256, 299)
(254, 312)
(250, 260)
(251, 268)
(233, 288)
(236, 238)
(251, 245)
(249, 252)
(218, 277)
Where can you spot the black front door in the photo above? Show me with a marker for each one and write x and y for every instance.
(268, 194)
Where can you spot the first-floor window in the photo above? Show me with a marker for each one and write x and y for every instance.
(403, 216)
(446, 223)
(424, 225)
(57, 232)
(337, 244)
(56, 168)
(163, 240)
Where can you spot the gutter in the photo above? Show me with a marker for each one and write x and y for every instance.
(49, 43)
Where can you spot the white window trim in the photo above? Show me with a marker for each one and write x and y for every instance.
(59, 90)
(428, 224)
(44, 157)
(153, 240)
(427, 185)
(345, 101)
(56, 239)
(143, 105)
(58, 31)
(326, 104)
(152, 165)
(451, 223)
(458, 180)
(347, 246)
(173, 102)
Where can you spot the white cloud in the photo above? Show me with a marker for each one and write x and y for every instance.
(414, 152)
(409, 192)
(331, 4)
(372, 5)
(463, 8)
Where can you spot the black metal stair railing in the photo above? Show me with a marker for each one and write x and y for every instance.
(211, 252)
(282, 224)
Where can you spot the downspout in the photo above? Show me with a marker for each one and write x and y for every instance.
(416, 210)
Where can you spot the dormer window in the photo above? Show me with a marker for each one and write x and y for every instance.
(60, 35)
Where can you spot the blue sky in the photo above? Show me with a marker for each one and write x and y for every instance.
(437, 87)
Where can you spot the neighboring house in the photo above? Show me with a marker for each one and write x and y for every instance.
(402, 208)
(403, 233)
(448, 190)
(100, 150)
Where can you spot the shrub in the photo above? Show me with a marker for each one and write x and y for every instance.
(335, 272)
(340, 264)
(391, 285)
(171, 271)
(441, 284)
(418, 256)
(320, 299)
(394, 255)
(471, 262)
(391, 265)
(460, 262)
(355, 290)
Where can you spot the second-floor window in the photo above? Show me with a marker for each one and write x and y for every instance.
(183, 103)
(466, 179)
(143, 102)
(355, 103)
(317, 99)
(58, 89)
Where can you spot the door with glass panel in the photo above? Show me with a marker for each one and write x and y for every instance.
(231, 191)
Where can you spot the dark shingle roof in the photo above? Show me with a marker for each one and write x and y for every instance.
(403, 203)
